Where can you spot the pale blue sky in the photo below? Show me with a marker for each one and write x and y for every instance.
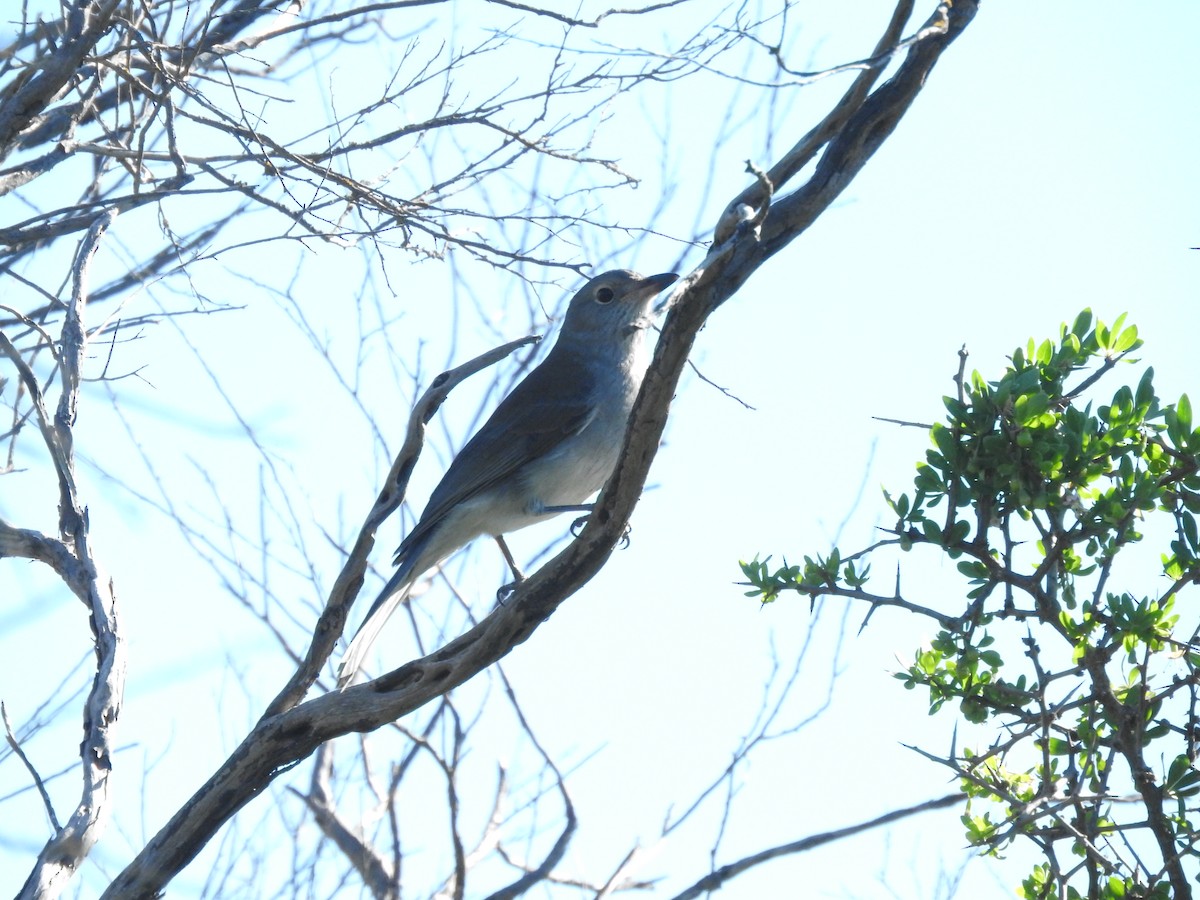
(1049, 165)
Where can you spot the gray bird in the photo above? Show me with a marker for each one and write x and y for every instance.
(550, 444)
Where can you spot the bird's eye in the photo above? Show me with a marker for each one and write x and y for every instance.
(604, 295)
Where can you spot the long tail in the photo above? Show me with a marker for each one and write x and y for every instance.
(393, 594)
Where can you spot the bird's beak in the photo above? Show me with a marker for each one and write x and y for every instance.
(661, 283)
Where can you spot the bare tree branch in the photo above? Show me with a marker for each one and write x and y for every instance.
(30, 768)
(27, 96)
(70, 844)
(319, 799)
(716, 880)
(289, 733)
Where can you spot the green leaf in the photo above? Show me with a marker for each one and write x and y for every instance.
(1187, 522)
(1045, 352)
(957, 409)
(1059, 747)
(1183, 779)
(1145, 389)
(1029, 408)
(1082, 324)
(1113, 331)
(1127, 340)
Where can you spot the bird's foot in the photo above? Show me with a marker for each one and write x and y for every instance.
(577, 526)
(506, 590)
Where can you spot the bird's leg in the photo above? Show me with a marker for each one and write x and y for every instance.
(576, 526)
(518, 575)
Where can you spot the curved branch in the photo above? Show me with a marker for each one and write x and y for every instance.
(280, 740)
(71, 843)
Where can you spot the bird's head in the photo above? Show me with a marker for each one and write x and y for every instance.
(616, 303)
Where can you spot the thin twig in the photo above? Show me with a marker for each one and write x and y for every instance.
(33, 772)
(715, 880)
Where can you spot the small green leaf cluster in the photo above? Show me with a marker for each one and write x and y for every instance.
(1023, 444)
(1042, 883)
(958, 668)
(818, 575)
(1036, 485)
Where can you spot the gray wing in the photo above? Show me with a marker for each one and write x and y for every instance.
(540, 413)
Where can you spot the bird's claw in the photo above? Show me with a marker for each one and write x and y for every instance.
(578, 524)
